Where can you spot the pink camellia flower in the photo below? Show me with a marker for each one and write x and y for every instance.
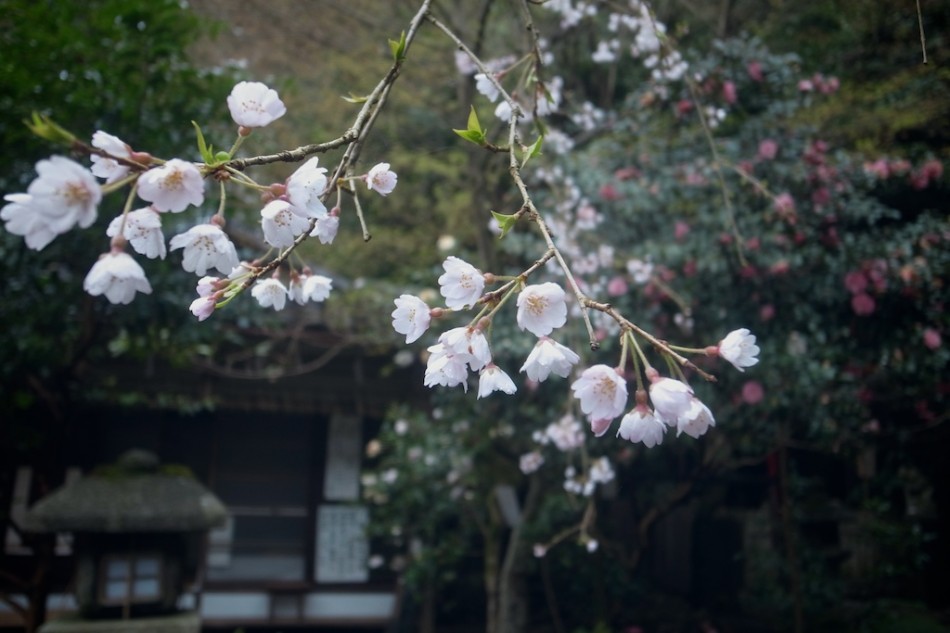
(109, 168)
(547, 357)
(739, 348)
(206, 246)
(143, 230)
(411, 317)
(863, 304)
(932, 338)
(729, 92)
(492, 379)
(253, 104)
(680, 230)
(281, 223)
(754, 69)
(617, 287)
(173, 186)
(270, 293)
(602, 392)
(462, 284)
(381, 179)
(117, 276)
(671, 399)
(640, 425)
(541, 308)
(752, 392)
(768, 149)
(855, 281)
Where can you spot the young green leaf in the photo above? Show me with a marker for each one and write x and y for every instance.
(47, 129)
(474, 132)
(206, 152)
(398, 48)
(352, 98)
(531, 151)
(505, 222)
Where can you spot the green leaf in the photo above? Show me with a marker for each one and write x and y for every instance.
(46, 128)
(531, 151)
(398, 48)
(352, 98)
(505, 222)
(203, 148)
(474, 131)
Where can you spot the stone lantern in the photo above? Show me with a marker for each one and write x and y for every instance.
(138, 531)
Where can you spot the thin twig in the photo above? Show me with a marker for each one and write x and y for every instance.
(923, 40)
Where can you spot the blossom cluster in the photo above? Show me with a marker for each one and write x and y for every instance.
(66, 194)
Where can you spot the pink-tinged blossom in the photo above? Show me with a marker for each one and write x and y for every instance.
(304, 188)
(754, 68)
(541, 308)
(206, 286)
(640, 425)
(381, 179)
(565, 434)
(470, 343)
(109, 168)
(411, 317)
(117, 276)
(270, 293)
(281, 224)
(492, 379)
(729, 92)
(863, 304)
(639, 270)
(932, 338)
(602, 392)
(599, 427)
(63, 195)
(203, 307)
(205, 246)
(784, 205)
(752, 392)
(445, 367)
(697, 419)
(461, 284)
(530, 462)
(143, 230)
(547, 357)
(326, 228)
(680, 230)
(617, 287)
(253, 104)
(739, 348)
(671, 399)
(855, 281)
(173, 186)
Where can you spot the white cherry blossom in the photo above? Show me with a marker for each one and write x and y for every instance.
(173, 186)
(143, 230)
(63, 195)
(446, 368)
(117, 276)
(671, 399)
(381, 179)
(253, 104)
(697, 419)
(493, 379)
(640, 425)
(601, 391)
(462, 284)
(206, 246)
(541, 308)
(304, 188)
(547, 357)
(203, 307)
(281, 224)
(306, 288)
(270, 293)
(486, 86)
(326, 228)
(468, 342)
(109, 168)
(411, 317)
(739, 348)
